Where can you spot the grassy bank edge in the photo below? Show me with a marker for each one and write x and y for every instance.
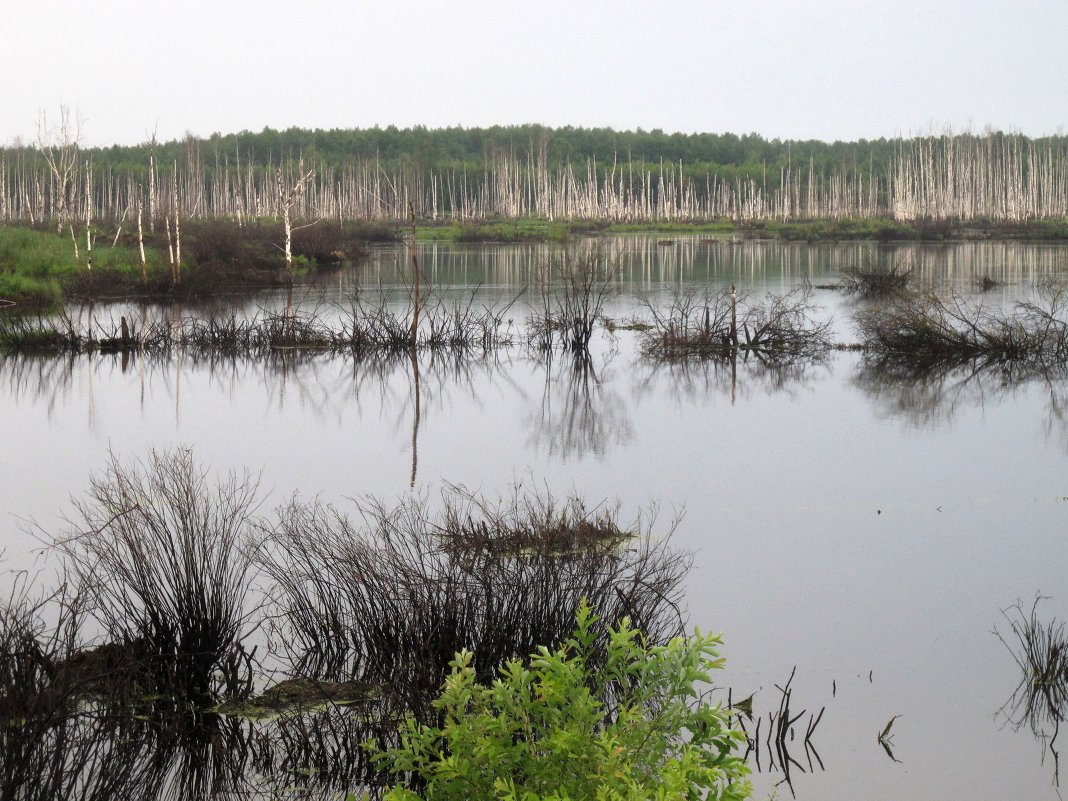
(39, 268)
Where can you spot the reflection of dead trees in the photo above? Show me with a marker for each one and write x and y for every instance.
(770, 748)
(930, 392)
(729, 375)
(580, 413)
(1040, 700)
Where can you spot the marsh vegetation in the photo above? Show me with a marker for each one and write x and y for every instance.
(169, 573)
(352, 607)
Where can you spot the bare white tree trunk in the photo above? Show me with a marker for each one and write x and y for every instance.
(59, 146)
(89, 216)
(177, 232)
(286, 201)
(141, 244)
(170, 244)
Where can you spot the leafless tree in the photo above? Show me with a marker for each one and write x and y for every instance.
(59, 145)
(288, 196)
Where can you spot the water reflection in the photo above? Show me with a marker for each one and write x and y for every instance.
(786, 737)
(109, 752)
(931, 394)
(730, 377)
(582, 413)
(1039, 703)
(645, 262)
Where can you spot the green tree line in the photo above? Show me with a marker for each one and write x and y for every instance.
(456, 149)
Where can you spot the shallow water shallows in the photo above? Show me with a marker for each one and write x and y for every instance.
(865, 528)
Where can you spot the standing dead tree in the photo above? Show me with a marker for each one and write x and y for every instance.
(59, 146)
(287, 200)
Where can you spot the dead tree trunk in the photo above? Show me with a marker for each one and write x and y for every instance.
(415, 279)
(59, 146)
(287, 200)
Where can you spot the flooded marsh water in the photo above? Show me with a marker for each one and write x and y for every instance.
(864, 526)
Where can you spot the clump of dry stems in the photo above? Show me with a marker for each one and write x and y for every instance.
(364, 328)
(574, 287)
(701, 322)
(396, 594)
(157, 550)
(931, 328)
(877, 282)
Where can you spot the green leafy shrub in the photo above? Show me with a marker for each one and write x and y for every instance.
(616, 722)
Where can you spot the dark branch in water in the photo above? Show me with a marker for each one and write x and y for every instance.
(699, 323)
(1040, 700)
(772, 752)
(929, 329)
(392, 598)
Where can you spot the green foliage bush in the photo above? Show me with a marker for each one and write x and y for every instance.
(616, 722)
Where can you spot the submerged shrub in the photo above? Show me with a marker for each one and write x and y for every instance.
(698, 323)
(574, 286)
(953, 329)
(876, 282)
(159, 551)
(391, 598)
(555, 727)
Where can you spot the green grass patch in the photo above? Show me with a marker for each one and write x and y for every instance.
(28, 290)
(522, 230)
(722, 226)
(883, 229)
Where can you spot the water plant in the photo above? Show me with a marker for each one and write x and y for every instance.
(933, 328)
(1040, 700)
(711, 322)
(563, 724)
(391, 598)
(158, 552)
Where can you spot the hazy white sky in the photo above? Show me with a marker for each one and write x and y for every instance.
(825, 69)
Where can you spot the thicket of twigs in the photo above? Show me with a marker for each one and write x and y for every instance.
(701, 322)
(158, 553)
(110, 686)
(392, 597)
(573, 289)
(926, 327)
(363, 328)
(879, 281)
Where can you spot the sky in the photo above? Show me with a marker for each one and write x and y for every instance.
(787, 69)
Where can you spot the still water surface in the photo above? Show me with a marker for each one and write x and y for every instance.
(864, 530)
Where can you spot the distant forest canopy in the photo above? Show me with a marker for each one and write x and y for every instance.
(443, 149)
(561, 173)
